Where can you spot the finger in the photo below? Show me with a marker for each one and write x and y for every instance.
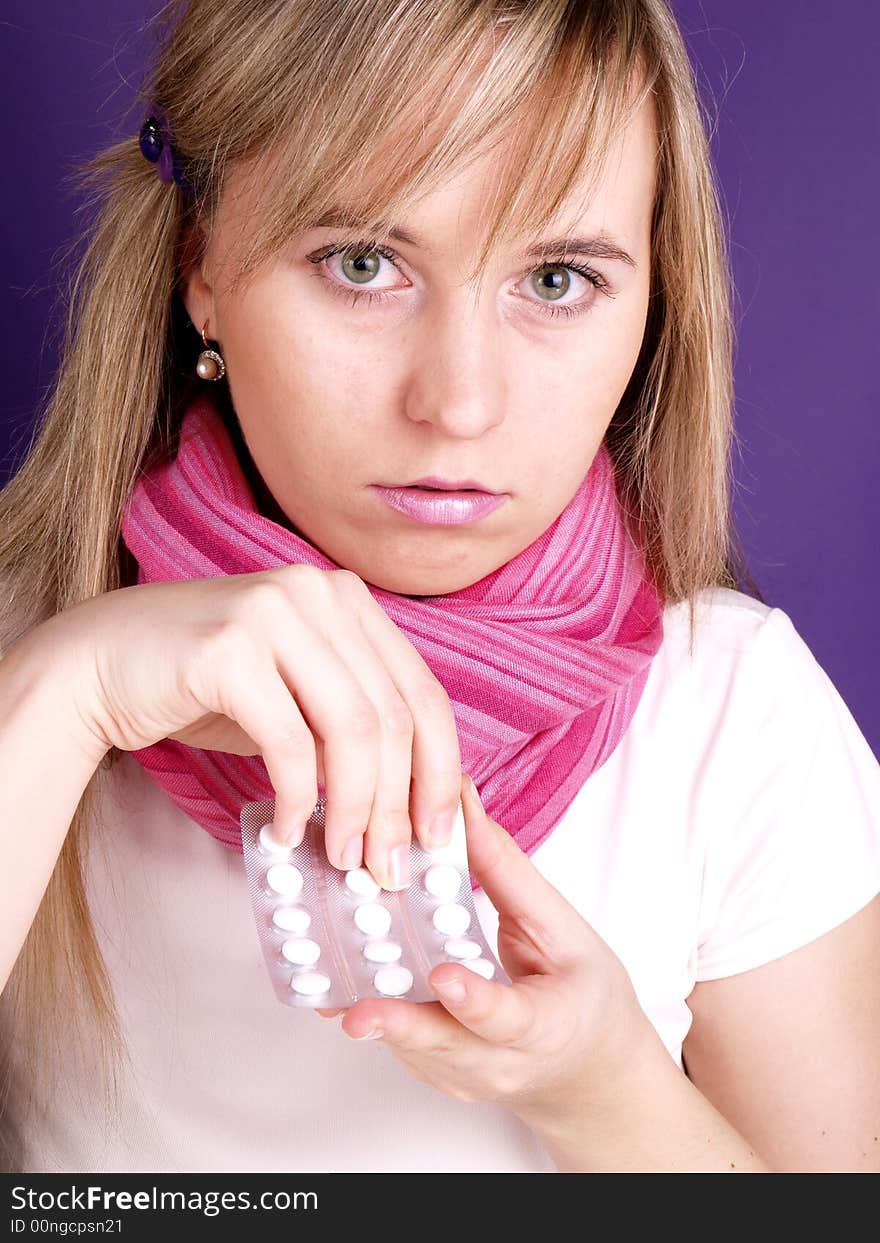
(498, 1013)
(436, 754)
(333, 704)
(420, 1027)
(250, 690)
(385, 842)
(517, 889)
(390, 831)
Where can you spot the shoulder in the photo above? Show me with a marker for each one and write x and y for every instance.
(694, 683)
(747, 660)
(772, 756)
(726, 624)
(754, 656)
(782, 781)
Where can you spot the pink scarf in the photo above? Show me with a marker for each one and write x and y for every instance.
(544, 660)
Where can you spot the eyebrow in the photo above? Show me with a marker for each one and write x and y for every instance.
(600, 246)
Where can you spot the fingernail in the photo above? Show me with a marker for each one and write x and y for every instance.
(376, 1034)
(292, 838)
(440, 831)
(452, 990)
(476, 791)
(398, 861)
(353, 851)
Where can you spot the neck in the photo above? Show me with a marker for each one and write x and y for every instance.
(266, 502)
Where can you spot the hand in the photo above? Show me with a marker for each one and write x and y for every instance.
(561, 1037)
(298, 664)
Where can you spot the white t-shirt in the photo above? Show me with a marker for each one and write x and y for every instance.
(737, 820)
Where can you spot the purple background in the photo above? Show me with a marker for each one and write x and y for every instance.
(795, 139)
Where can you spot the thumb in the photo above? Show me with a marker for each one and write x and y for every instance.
(517, 889)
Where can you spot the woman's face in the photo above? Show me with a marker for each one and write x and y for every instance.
(337, 391)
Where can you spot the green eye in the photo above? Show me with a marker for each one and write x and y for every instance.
(552, 279)
(361, 261)
(360, 265)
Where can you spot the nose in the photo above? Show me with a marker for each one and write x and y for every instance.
(458, 379)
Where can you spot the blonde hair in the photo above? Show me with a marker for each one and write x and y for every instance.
(338, 104)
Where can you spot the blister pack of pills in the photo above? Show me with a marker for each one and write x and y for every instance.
(330, 937)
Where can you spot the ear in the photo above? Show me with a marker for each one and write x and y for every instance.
(195, 288)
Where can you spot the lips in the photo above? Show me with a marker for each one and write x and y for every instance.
(434, 483)
(440, 506)
(421, 487)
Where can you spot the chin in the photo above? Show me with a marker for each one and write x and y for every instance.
(410, 581)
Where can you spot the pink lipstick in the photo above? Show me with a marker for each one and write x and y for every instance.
(441, 502)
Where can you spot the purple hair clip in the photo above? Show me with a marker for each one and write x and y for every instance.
(156, 144)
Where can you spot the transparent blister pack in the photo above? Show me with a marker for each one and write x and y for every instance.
(330, 937)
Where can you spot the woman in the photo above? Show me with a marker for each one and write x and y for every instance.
(233, 576)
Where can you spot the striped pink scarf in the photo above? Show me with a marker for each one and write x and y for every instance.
(544, 660)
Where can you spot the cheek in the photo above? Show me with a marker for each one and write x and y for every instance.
(612, 349)
(579, 390)
(588, 365)
(276, 347)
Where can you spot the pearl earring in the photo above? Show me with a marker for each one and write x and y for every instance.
(210, 365)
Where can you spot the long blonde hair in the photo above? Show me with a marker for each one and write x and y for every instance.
(370, 105)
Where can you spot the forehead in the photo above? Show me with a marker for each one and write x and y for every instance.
(532, 178)
(618, 201)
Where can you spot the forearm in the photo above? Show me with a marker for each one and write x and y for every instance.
(46, 760)
(658, 1122)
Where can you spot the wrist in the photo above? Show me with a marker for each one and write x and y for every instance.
(653, 1121)
(602, 1106)
(49, 680)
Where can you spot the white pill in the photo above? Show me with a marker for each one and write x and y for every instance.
(291, 919)
(310, 983)
(285, 879)
(382, 951)
(393, 981)
(360, 881)
(462, 947)
(301, 951)
(481, 966)
(372, 919)
(452, 919)
(270, 844)
(442, 880)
